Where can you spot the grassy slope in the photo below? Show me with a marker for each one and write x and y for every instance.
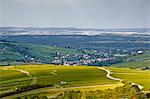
(10, 74)
(141, 77)
(74, 76)
(50, 74)
(137, 64)
(135, 74)
(55, 74)
(138, 61)
(144, 56)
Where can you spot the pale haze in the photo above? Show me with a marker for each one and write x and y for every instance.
(75, 13)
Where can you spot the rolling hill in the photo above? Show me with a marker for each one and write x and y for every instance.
(53, 77)
(21, 53)
(141, 61)
(52, 80)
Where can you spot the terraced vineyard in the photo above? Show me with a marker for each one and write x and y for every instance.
(16, 77)
(51, 80)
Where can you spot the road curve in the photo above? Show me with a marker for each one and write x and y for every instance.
(117, 79)
(109, 74)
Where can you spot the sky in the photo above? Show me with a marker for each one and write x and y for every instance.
(75, 13)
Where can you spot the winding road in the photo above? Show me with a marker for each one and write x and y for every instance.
(117, 79)
(109, 74)
(101, 68)
(24, 72)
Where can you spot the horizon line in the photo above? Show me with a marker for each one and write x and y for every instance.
(70, 27)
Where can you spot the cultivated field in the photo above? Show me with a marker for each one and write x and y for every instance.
(15, 77)
(55, 79)
(141, 77)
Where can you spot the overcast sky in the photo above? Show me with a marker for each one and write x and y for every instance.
(75, 13)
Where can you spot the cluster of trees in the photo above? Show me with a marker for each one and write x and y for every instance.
(126, 92)
(24, 89)
(33, 97)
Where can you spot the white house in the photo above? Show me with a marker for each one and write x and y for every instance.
(140, 52)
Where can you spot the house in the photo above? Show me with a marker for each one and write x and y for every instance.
(140, 52)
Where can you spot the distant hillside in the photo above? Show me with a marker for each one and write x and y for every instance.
(14, 53)
(140, 57)
(141, 61)
(19, 53)
(138, 64)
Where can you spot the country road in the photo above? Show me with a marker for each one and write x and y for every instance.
(101, 68)
(109, 74)
(28, 74)
(62, 89)
(24, 72)
(117, 79)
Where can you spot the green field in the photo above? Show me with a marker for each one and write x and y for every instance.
(62, 78)
(57, 76)
(141, 77)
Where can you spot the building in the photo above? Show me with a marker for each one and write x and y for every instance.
(140, 52)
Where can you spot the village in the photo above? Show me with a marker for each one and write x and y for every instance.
(97, 58)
